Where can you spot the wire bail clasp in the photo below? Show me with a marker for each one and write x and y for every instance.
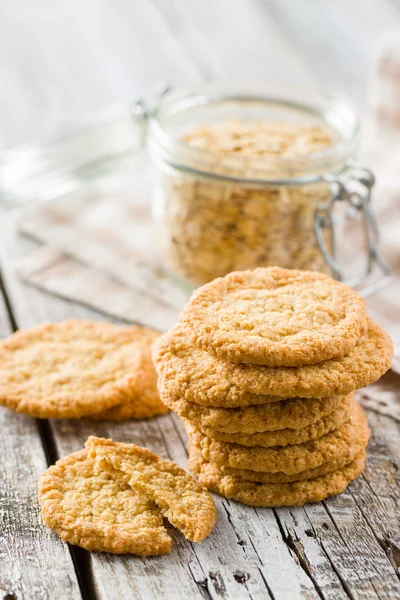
(352, 189)
(141, 112)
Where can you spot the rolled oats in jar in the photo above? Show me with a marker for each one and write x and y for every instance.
(212, 227)
(241, 177)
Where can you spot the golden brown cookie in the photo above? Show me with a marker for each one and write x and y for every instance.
(290, 459)
(92, 506)
(279, 477)
(264, 477)
(187, 506)
(286, 437)
(294, 413)
(276, 317)
(274, 494)
(365, 364)
(74, 368)
(190, 373)
(143, 404)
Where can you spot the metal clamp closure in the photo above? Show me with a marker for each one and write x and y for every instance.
(141, 112)
(352, 189)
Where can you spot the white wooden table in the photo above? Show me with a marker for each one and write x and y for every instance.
(60, 60)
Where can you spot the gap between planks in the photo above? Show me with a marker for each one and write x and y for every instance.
(34, 563)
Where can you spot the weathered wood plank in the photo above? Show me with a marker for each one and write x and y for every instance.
(357, 532)
(354, 533)
(355, 528)
(361, 565)
(378, 491)
(34, 563)
(298, 531)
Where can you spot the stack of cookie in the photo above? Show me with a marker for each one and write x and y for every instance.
(262, 369)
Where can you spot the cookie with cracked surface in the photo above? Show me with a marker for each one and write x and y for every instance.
(185, 504)
(294, 413)
(289, 459)
(192, 374)
(93, 507)
(274, 494)
(365, 364)
(276, 317)
(286, 437)
(74, 368)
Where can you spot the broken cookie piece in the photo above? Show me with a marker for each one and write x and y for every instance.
(186, 505)
(112, 497)
(89, 504)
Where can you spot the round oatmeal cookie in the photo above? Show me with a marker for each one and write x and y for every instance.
(185, 504)
(365, 364)
(290, 459)
(276, 317)
(264, 477)
(294, 413)
(274, 494)
(192, 374)
(286, 437)
(74, 368)
(144, 407)
(143, 404)
(93, 507)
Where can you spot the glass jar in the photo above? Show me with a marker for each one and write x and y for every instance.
(217, 212)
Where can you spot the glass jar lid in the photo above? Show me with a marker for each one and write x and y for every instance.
(179, 111)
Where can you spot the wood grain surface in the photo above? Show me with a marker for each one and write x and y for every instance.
(345, 547)
(28, 549)
(59, 62)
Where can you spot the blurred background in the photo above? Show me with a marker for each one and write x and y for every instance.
(62, 60)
